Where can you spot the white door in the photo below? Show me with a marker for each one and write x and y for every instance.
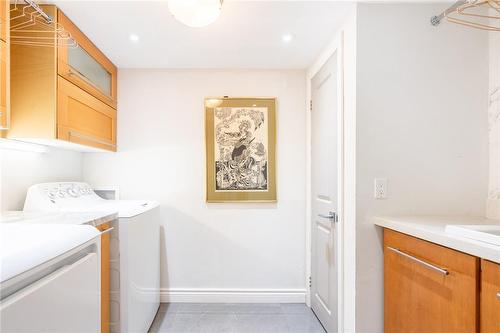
(324, 189)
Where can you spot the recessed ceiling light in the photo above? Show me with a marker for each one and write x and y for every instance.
(133, 38)
(287, 38)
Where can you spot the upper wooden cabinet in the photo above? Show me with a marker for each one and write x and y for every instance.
(83, 119)
(428, 288)
(4, 66)
(64, 91)
(4, 85)
(86, 66)
(490, 297)
(4, 19)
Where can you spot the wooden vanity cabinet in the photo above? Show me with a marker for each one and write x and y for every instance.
(105, 276)
(63, 93)
(4, 65)
(490, 297)
(427, 287)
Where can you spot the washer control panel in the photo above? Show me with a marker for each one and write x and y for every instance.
(66, 190)
(55, 196)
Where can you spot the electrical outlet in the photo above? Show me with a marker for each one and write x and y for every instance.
(380, 188)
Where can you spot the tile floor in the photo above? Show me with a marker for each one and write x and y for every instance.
(235, 318)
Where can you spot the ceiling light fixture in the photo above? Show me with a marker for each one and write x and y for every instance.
(133, 38)
(195, 13)
(287, 38)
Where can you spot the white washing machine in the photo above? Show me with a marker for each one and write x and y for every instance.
(135, 248)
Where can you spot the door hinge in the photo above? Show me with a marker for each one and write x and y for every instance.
(310, 105)
(310, 282)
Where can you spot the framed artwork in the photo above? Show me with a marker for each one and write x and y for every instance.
(241, 149)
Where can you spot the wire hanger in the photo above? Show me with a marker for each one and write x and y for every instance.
(478, 14)
(31, 26)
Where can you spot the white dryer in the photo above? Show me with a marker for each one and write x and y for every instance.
(135, 248)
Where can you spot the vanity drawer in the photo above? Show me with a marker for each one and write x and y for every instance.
(428, 287)
(490, 297)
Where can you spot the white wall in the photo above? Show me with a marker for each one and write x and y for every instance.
(421, 123)
(251, 250)
(349, 214)
(20, 169)
(494, 127)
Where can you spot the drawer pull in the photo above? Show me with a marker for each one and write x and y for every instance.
(106, 231)
(498, 295)
(419, 261)
(76, 134)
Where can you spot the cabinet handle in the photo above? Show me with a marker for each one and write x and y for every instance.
(106, 231)
(419, 261)
(498, 295)
(89, 138)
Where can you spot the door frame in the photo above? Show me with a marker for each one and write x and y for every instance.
(336, 46)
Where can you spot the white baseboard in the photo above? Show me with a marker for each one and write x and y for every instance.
(233, 295)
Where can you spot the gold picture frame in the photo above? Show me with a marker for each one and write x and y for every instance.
(240, 134)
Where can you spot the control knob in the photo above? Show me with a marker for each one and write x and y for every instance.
(73, 192)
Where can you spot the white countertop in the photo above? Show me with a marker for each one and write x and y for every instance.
(432, 229)
(24, 246)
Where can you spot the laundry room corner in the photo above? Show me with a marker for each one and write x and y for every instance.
(239, 252)
(249, 166)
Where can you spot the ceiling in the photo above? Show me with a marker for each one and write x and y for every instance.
(248, 34)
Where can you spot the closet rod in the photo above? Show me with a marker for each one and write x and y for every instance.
(39, 10)
(435, 20)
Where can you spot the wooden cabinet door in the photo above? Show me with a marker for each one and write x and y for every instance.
(490, 297)
(86, 66)
(83, 119)
(428, 288)
(4, 85)
(4, 64)
(4, 20)
(105, 275)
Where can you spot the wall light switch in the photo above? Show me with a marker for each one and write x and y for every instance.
(380, 188)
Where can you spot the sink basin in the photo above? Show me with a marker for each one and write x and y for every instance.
(488, 233)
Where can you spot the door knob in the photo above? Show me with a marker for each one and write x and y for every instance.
(331, 216)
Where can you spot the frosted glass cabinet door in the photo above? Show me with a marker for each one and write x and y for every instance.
(85, 66)
(90, 69)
